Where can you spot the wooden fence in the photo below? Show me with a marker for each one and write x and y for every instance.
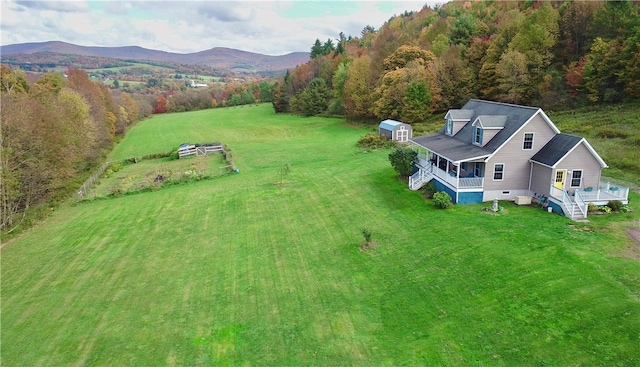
(88, 184)
(199, 150)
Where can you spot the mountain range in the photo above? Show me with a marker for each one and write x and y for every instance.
(217, 57)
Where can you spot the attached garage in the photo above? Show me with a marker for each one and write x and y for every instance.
(395, 130)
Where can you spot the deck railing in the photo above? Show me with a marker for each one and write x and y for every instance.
(605, 192)
(615, 190)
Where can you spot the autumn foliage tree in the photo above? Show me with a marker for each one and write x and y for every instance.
(49, 137)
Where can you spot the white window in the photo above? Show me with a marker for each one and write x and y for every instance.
(449, 127)
(498, 171)
(576, 178)
(527, 143)
(477, 135)
(402, 134)
(477, 169)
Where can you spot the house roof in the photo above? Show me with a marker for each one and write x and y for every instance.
(515, 117)
(452, 149)
(460, 114)
(559, 146)
(390, 124)
(491, 122)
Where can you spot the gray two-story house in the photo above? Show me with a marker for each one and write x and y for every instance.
(490, 150)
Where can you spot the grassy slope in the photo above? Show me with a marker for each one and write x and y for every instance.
(242, 271)
(614, 131)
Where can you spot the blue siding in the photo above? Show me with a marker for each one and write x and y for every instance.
(441, 187)
(470, 197)
(556, 207)
(463, 197)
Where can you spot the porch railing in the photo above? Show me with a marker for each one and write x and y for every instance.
(421, 177)
(461, 183)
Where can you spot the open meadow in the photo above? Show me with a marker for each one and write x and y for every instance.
(260, 268)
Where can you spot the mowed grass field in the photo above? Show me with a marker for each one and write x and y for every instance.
(246, 270)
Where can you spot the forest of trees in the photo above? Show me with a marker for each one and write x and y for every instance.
(551, 54)
(53, 131)
(57, 128)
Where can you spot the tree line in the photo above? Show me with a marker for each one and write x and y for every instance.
(53, 132)
(557, 54)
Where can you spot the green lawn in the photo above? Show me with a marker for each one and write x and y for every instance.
(243, 270)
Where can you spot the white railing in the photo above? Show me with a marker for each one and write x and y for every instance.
(563, 196)
(424, 163)
(420, 178)
(581, 203)
(615, 190)
(462, 182)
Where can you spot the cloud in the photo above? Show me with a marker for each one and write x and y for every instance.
(226, 11)
(61, 6)
(268, 27)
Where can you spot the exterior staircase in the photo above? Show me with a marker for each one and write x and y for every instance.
(420, 178)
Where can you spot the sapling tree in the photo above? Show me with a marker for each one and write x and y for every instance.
(402, 160)
(284, 170)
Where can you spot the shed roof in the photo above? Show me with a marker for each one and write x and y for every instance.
(391, 124)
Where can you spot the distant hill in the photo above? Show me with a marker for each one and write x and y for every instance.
(218, 57)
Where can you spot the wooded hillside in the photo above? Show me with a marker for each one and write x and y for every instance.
(547, 54)
(53, 133)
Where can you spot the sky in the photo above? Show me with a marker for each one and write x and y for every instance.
(266, 27)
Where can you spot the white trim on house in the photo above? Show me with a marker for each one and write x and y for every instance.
(589, 147)
(544, 117)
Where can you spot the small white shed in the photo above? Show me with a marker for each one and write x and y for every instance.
(395, 130)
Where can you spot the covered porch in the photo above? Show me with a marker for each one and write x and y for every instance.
(465, 174)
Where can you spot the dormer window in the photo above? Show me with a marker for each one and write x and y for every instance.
(485, 127)
(477, 135)
(455, 120)
(448, 129)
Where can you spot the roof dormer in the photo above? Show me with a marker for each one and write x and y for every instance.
(485, 127)
(455, 120)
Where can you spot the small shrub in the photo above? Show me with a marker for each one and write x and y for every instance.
(605, 209)
(615, 205)
(608, 132)
(115, 166)
(429, 189)
(441, 200)
(375, 141)
(626, 209)
(366, 233)
(131, 160)
(592, 208)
